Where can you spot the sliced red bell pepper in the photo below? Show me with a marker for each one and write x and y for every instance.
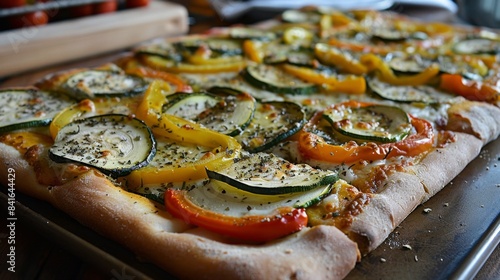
(259, 228)
(178, 83)
(313, 146)
(470, 89)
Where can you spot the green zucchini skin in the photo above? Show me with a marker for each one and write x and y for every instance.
(477, 46)
(272, 122)
(303, 58)
(189, 105)
(232, 198)
(448, 65)
(25, 108)
(248, 33)
(270, 78)
(167, 51)
(102, 83)
(413, 64)
(114, 144)
(219, 197)
(227, 111)
(380, 123)
(297, 16)
(220, 46)
(392, 35)
(408, 65)
(408, 94)
(256, 173)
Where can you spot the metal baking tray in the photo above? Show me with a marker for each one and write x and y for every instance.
(455, 239)
(452, 241)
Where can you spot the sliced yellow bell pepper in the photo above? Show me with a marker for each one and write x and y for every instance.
(283, 26)
(347, 84)
(480, 64)
(254, 50)
(325, 26)
(298, 36)
(159, 63)
(360, 47)
(489, 61)
(374, 63)
(338, 58)
(350, 84)
(330, 23)
(149, 110)
(203, 56)
(430, 28)
(221, 152)
(179, 129)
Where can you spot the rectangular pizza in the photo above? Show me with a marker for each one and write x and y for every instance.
(290, 151)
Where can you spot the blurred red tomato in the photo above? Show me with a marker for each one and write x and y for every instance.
(136, 3)
(12, 3)
(105, 7)
(29, 19)
(81, 11)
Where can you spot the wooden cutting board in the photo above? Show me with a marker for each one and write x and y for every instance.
(35, 47)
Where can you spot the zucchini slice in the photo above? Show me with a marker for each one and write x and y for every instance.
(114, 144)
(458, 65)
(273, 79)
(277, 52)
(298, 36)
(393, 35)
(378, 123)
(477, 46)
(95, 83)
(221, 46)
(299, 16)
(223, 198)
(296, 57)
(272, 122)
(23, 108)
(206, 65)
(408, 65)
(189, 105)
(408, 94)
(268, 174)
(89, 108)
(166, 50)
(389, 35)
(248, 33)
(226, 112)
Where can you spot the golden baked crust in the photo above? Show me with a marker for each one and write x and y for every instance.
(402, 194)
(404, 191)
(55, 80)
(479, 119)
(321, 252)
(438, 168)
